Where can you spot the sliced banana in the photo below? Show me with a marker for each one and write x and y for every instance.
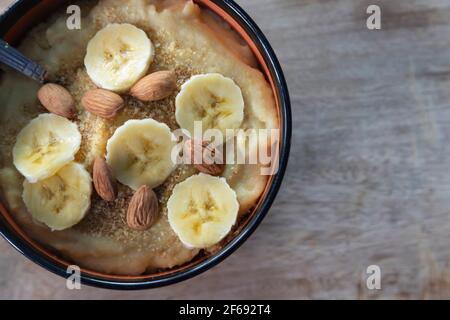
(62, 200)
(118, 56)
(211, 98)
(202, 210)
(45, 145)
(139, 153)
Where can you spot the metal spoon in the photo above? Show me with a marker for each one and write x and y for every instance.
(16, 60)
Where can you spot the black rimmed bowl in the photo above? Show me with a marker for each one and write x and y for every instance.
(23, 15)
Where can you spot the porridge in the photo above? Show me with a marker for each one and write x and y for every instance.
(86, 163)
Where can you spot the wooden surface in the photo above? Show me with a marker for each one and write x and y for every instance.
(369, 174)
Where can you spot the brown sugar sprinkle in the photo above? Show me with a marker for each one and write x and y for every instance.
(110, 214)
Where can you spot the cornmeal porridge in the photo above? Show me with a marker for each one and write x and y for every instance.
(89, 175)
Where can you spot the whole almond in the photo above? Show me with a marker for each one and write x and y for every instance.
(104, 182)
(102, 103)
(155, 86)
(204, 157)
(143, 209)
(57, 100)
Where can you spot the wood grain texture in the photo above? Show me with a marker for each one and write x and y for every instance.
(369, 175)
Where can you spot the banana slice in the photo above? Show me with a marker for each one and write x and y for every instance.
(45, 145)
(118, 56)
(139, 153)
(62, 200)
(211, 98)
(201, 210)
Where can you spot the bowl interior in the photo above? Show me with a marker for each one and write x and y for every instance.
(20, 18)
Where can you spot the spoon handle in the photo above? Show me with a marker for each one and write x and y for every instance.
(16, 60)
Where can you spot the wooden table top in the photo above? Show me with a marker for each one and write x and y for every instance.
(369, 175)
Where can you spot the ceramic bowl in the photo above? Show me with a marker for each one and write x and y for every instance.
(23, 15)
